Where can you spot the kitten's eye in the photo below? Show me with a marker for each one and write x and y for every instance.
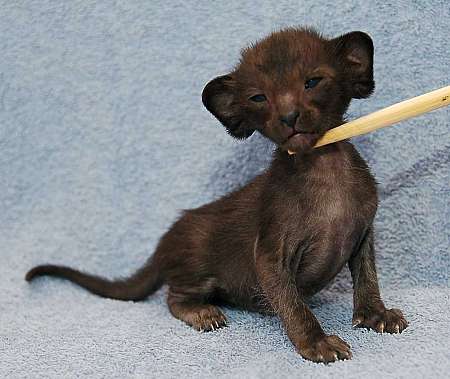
(258, 98)
(311, 83)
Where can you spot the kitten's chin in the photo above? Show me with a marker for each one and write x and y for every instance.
(300, 143)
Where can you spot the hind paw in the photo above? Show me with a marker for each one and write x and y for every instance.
(202, 317)
(208, 319)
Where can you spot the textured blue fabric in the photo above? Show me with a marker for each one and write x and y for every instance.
(103, 140)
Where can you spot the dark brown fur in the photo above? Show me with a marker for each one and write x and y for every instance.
(287, 233)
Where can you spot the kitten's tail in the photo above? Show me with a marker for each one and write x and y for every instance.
(137, 287)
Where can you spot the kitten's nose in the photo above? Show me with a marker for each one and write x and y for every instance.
(290, 119)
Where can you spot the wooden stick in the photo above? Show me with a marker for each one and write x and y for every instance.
(388, 116)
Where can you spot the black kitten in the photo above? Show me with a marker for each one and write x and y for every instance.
(287, 233)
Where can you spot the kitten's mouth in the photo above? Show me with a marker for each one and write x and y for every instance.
(300, 141)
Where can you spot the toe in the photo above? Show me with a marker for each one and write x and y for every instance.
(395, 321)
(380, 327)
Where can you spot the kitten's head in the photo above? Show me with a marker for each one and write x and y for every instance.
(292, 86)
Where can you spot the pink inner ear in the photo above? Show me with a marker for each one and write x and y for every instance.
(358, 57)
(354, 59)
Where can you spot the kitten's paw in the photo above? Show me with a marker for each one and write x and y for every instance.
(205, 317)
(208, 319)
(201, 316)
(327, 349)
(380, 320)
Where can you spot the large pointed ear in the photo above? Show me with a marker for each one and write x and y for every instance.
(220, 97)
(355, 56)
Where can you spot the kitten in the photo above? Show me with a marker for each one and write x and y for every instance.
(290, 231)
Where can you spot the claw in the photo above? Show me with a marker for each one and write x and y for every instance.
(347, 355)
(381, 327)
(356, 323)
(335, 356)
(212, 326)
(397, 328)
(217, 325)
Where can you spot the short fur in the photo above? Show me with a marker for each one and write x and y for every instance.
(287, 233)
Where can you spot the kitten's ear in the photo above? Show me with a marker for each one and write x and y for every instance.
(220, 97)
(355, 56)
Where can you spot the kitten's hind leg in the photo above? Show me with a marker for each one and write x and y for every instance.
(194, 312)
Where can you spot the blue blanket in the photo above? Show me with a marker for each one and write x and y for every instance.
(103, 140)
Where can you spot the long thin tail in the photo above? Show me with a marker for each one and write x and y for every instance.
(137, 287)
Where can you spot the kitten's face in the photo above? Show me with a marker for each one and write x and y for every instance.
(292, 87)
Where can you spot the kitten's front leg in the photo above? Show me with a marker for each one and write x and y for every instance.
(277, 281)
(368, 308)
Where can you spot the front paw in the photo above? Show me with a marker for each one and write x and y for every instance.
(326, 349)
(381, 320)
